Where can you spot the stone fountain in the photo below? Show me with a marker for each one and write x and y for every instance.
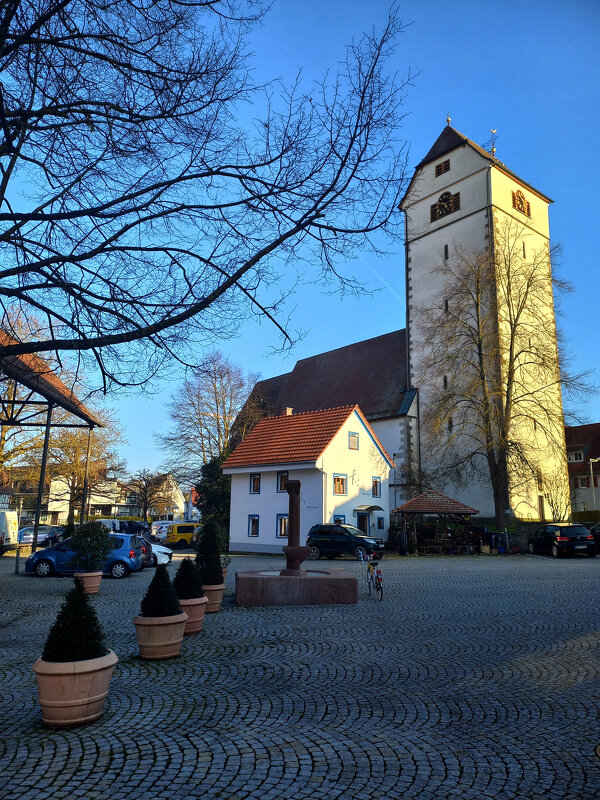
(294, 586)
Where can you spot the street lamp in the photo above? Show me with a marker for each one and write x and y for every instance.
(592, 461)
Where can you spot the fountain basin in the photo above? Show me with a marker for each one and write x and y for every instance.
(314, 587)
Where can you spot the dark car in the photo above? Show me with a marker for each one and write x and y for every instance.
(562, 539)
(594, 529)
(332, 539)
(125, 558)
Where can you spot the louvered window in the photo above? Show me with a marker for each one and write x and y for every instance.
(441, 168)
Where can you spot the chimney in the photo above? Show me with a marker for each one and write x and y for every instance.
(287, 412)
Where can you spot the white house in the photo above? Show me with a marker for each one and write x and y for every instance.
(342, 466)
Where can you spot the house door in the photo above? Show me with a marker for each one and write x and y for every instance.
(362, 522)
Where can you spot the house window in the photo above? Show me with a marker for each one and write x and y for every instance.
(441, 168)
(575, 455)
(281, 529)
(520, 204)
(252, 524)
(281, 479)
(255, 483)
(376, 487)
(340, 484)
(353, 441)
(584, 483)
(446, 204)
(339, 519)
(380, 523)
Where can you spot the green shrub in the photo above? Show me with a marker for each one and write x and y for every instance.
(91, 544)
(76, 634)
(187, 581)
(160, 599)
(207, 553)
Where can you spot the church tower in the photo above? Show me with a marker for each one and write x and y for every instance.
(467, 214)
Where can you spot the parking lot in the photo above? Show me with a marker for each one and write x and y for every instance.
(475, 677)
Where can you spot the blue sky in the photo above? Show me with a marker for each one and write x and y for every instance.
(528, 69)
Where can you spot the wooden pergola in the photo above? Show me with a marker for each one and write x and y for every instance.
(449, 532)
(44, 392)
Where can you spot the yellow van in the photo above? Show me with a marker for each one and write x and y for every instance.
(181, 534)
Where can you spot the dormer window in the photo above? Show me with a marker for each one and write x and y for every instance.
(575, 455)
(441, 168)
(520, 204)
(446, 204)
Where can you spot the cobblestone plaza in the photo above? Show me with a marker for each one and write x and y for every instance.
(476, 677)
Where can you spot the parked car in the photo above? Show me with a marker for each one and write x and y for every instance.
(125, 558)
(332, 539)
(181, 534)
(47, 534)
(561, 539)
(594, 529)
(154, 554)
(158, 529)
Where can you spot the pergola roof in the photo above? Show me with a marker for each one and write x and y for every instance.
(432, 502)
(34, 373)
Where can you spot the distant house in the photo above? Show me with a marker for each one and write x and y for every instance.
(335, 454)
(583, 459)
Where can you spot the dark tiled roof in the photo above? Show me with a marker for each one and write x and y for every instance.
(431, 502)
(587, 439)
(33, 372)
(448, 140)
(370, 374)
(293, 439)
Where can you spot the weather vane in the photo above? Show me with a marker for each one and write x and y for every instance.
(493, 131)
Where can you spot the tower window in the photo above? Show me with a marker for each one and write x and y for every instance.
(524, 251)
(446, 306)
(445, 382)
(520, 204)
(450, 425)
(445, 252)
(441, 168)
(446, 204)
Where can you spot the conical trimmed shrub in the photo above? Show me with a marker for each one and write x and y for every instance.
(77, 634)
(187, 581)
(207, 553)
(160, 599)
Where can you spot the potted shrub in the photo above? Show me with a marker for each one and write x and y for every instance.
(74, 672)
(91, 544)
(209, 561)
(188, 587)
(160, 626)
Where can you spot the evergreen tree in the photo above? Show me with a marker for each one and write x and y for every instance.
(76, 634)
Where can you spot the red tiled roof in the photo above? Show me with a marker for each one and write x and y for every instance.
(431, 502)
(292, 439)
(587, 439)
(35, 373)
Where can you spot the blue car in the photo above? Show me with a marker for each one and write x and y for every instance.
(125, 558)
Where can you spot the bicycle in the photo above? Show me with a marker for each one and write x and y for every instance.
(374, 576)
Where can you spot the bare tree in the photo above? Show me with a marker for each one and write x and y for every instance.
(140, 214)
(202, 414)
(149, 488)
(490, 374)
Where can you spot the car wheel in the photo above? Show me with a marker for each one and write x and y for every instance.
(360, 552)
(591, 555)
(315, 553)
(43, 569)
(555, 551)
(530, 547)
(119, 570)
(154, 560)
(181, 544)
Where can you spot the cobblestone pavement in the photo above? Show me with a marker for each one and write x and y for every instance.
(476, 677)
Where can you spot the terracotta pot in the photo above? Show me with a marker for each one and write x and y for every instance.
(90, 580)
(73, 692)
(195, 608)
(224, 573)
(215, 597)
(160, 637)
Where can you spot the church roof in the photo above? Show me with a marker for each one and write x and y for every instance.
(371, 374)
(293, 438)
(450, 139)
(432, 502)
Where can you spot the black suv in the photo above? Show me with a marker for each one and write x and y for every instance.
(333, 540)
(561, 539)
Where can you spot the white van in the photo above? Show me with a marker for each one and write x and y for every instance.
(112, 525)
(9, 531)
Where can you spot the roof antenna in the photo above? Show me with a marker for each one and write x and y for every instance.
(448, 119)
(493, 131)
